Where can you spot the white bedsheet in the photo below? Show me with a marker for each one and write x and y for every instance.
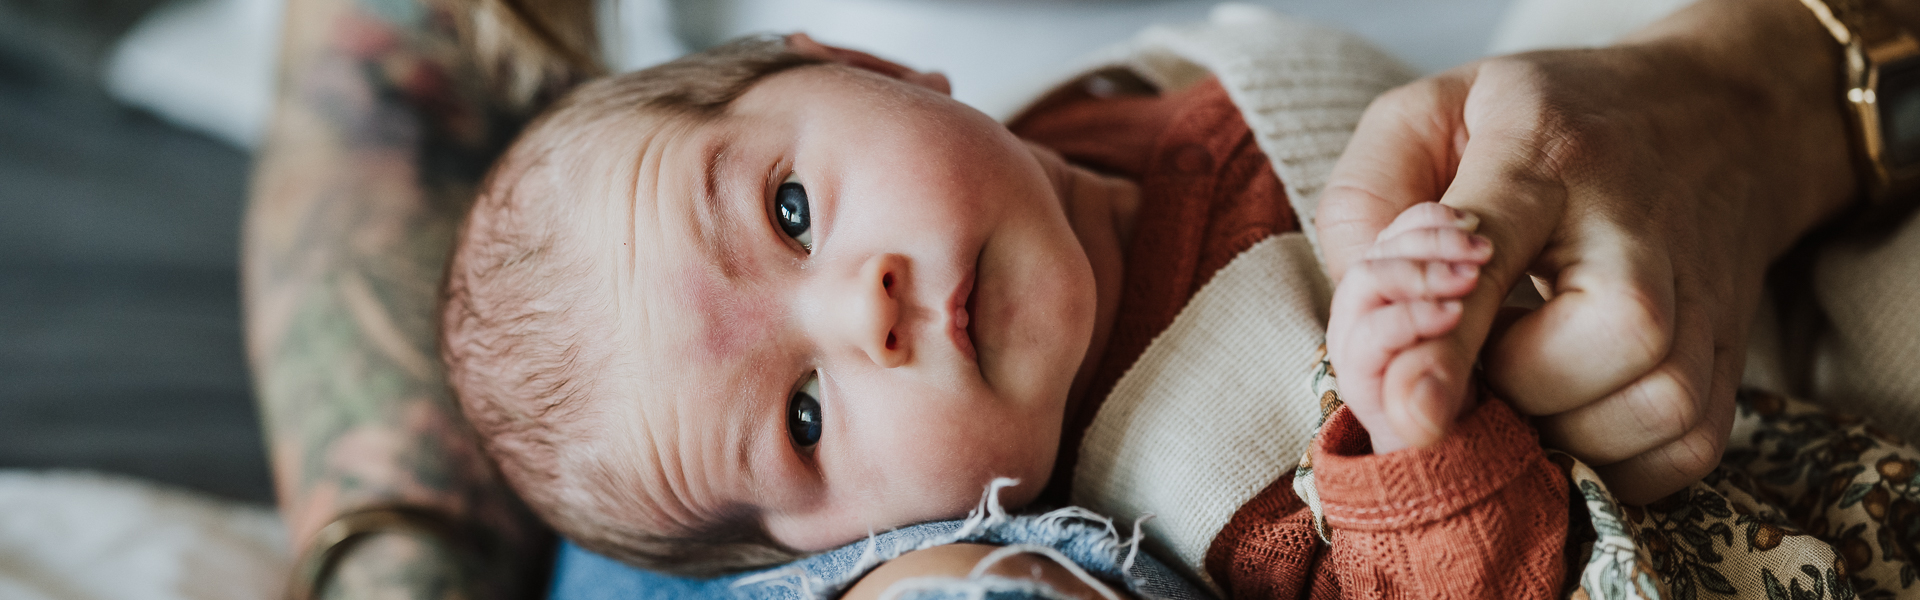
(86, 536)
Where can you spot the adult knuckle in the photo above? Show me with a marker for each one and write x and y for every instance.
(1697, 454)
(1665, 406)
(1643, 323)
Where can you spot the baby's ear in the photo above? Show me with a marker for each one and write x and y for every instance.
(933, 80)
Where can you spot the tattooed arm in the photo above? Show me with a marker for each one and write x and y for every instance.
(388, 113)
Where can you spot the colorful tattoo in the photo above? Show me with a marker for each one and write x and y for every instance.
(384, 126)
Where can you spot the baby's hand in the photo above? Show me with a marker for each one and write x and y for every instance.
(1406, 290)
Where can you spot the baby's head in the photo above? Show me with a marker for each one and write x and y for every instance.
(761, 301)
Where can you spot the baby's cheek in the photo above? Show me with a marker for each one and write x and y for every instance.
(731, 322)
(954, 455)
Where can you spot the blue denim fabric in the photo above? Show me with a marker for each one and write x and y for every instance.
(1090, 542)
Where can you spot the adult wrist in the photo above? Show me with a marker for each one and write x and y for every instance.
(1774, 61)
(405, 552)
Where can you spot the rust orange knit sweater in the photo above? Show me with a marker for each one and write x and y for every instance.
(1480, 515)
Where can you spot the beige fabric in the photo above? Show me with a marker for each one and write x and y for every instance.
(1868, 362)
(1216, 408)
(1301, 87)
(89, 536)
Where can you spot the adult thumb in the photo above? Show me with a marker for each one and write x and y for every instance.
(1403, 152)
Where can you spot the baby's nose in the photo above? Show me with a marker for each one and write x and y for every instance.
(871, 314)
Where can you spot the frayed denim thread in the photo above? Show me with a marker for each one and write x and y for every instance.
(1079, 537)
(1062, 533)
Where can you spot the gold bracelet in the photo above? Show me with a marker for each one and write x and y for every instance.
(333, 541)
(1879, 57)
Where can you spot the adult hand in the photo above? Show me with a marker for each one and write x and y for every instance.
(1644, 187)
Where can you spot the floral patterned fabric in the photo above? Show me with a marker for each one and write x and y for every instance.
(1807, 504)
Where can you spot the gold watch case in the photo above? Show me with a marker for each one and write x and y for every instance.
(1882, 92)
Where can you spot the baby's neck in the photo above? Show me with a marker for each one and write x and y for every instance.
(1101, 210)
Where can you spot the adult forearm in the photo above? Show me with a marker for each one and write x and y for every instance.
(383, 125)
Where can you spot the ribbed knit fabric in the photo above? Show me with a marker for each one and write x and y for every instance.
(1301, 87)
(1207, 195)
(1209, 415)
(1867, 360)
(1482, 514)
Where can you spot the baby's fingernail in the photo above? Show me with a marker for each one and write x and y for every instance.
(1450, 306)
(1464, 220)
(1480, 242)
(1465, 269)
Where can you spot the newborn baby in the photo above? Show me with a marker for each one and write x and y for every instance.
(771, 297)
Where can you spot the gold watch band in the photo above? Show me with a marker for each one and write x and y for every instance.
(1869, 38)
(1847, 19)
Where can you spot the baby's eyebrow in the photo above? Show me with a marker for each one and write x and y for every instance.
(716, 224)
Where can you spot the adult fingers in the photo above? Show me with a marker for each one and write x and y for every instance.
(1665, 405)
(1664, 470)
(1402, 153)
(1694, 396)
(1612, 296)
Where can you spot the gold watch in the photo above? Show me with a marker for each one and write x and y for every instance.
(1882, 93)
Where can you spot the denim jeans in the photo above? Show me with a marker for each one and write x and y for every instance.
(1085, 540)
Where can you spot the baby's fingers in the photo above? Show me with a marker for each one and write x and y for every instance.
(1434, 243)
(1387, 330)
(1367, 345)
(1403, 280)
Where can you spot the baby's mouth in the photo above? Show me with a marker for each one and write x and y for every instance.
(962, 320)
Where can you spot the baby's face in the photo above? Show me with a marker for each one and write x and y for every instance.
(844, 307)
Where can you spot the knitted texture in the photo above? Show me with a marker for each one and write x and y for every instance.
(1214, 410)
(1471, 516)
(1867, 358)
(1207, 194)
(1482, 514)
(1268, 550)
(1301, 87)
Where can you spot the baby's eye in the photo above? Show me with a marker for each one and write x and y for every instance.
(794, 214)
(803, 413)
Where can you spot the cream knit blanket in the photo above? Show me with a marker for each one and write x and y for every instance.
(1218, 407)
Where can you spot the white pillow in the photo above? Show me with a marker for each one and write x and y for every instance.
(206, 65)
(84, 536)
